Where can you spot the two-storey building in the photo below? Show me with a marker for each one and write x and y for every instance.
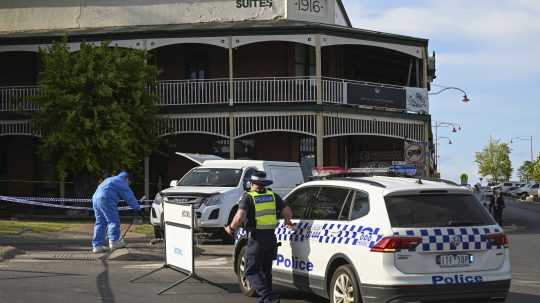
(287, 80)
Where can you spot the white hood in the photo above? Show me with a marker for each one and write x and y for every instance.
(197, 189)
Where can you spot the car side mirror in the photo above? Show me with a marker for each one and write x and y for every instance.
(173, 183)
(247, 185)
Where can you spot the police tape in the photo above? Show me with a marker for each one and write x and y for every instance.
(32, 201)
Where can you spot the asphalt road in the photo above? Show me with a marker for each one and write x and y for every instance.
(29, 280)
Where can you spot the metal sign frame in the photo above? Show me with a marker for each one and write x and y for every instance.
(189, 274)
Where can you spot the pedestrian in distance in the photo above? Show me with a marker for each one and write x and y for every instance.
(498, 208)
(257, 212)
(105, 204)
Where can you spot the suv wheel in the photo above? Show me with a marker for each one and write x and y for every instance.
(243, 282)
(344, 287)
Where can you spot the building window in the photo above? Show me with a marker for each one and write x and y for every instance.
(307, 156)
(243, 148)
(304, 56)
(3, 162)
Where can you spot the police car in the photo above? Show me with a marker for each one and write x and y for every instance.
(387, 239)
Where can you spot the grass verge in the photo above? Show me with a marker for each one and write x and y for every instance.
(9, 227)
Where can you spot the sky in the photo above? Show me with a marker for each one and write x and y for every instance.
(490, 49)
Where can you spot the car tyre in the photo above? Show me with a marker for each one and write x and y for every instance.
(243, 282)
(344, 287)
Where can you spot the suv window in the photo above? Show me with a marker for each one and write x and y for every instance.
(535, 186)
(328, 204)
(345, 210)
(360, 206)
(299, 200)
(436, 210)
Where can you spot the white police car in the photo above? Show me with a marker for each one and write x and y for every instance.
(385, 239)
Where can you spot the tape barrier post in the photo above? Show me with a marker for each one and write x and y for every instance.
(180, 246)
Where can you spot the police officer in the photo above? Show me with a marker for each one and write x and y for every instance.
(258, 210)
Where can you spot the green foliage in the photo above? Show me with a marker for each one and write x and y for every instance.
(525, 170)
(494, 161)
(534, 170)
(96, 112)
(464, 178)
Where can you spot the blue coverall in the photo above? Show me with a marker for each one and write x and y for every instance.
(105, 204)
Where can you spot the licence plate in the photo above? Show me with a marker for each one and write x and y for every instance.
(453, 260)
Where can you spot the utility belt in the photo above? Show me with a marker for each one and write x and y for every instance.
(253, 233)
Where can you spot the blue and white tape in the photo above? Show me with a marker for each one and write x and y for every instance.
(36, 201)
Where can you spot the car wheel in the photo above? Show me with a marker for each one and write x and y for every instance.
(243, 282)
(523, 196)
(344, 287)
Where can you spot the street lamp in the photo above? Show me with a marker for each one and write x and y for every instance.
(449, 140)
(436, 124)
(445, 88)
(525, 139)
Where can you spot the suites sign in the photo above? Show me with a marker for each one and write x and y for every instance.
(61, 14)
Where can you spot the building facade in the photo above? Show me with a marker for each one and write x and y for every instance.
(256, 79)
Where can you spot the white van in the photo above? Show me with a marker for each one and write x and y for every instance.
(216, 186)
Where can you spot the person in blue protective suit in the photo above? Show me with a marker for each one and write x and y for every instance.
(258, 211)
(105, 204)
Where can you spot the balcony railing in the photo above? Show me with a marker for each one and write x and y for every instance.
(17, 98)
(266, 90)
(192, 92)
(248, 91)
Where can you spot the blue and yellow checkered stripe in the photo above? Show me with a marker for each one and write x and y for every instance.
(442, 239)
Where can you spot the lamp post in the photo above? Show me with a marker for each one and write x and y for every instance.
(445, 88)
(437, 148)
(525, 139)
(446, 124)
(436, 124)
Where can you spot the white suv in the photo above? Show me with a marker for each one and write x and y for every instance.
(385, 239)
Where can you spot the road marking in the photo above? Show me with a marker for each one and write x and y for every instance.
(218, 263)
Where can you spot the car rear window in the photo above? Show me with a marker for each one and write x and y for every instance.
(436, 210)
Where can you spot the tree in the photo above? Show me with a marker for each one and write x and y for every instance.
(534, 170)
(464, 179)
(96, 112)
(494, 161)
(525, 170)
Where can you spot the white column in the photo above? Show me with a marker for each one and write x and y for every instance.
(320, 118)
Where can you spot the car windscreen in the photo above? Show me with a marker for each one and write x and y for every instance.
(436, 210)
(212, 177)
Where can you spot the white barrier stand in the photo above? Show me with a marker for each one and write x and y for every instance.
(179, 242)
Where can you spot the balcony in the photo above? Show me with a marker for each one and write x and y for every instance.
(253, 91)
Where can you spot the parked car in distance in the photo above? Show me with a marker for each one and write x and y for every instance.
(506, 187)
(527, 190)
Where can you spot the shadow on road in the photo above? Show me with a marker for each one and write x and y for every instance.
(103, 283)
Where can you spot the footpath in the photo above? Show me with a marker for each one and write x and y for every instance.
(74, 244)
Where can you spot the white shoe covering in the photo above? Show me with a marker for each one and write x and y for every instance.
(117, 244)
(99, 249)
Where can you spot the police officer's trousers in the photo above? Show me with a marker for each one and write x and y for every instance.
(260, 253)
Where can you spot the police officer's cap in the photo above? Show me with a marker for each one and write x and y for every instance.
(259, 177)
